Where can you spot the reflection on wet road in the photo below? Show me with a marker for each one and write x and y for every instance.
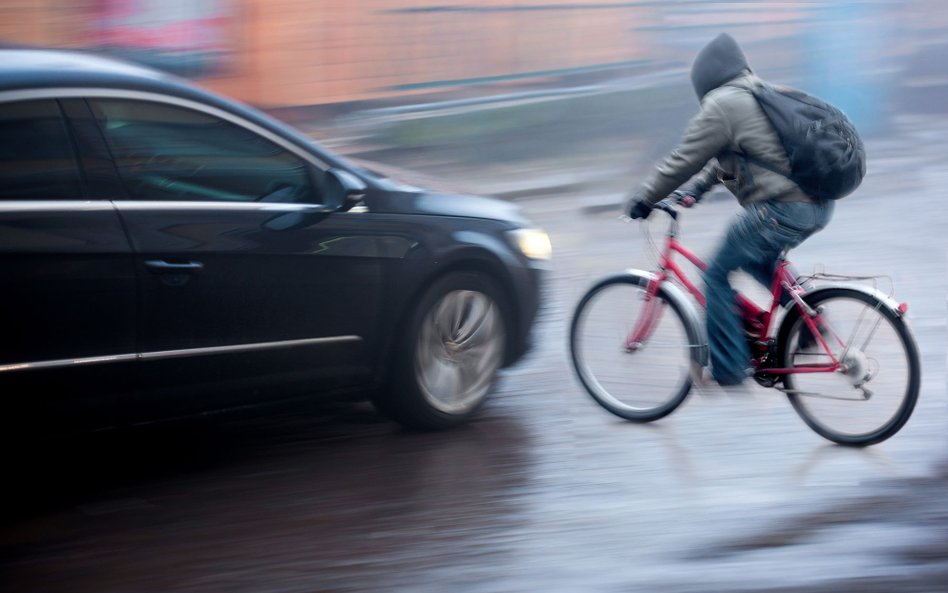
(546, 492)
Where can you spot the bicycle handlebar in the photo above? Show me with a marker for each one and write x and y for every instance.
(668, 204)
(667, 207)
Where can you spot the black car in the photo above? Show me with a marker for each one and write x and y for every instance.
(165, 251)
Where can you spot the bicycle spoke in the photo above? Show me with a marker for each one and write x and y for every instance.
(865, 344)
(858, 325)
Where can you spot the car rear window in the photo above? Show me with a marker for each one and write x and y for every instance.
(37, 159)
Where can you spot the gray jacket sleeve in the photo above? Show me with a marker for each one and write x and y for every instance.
(707, 178)
(707, 134)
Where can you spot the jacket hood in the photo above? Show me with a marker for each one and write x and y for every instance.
(718, 62)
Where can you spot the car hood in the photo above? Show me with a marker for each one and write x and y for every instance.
(418, 201)
(410, 192)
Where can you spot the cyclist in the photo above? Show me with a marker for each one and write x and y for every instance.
(777, 214)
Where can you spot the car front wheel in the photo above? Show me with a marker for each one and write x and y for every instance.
(449, 355)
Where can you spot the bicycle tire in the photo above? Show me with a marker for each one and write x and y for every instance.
(601, 323)
(879, 343)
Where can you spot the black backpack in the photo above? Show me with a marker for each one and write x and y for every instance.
(827, 158)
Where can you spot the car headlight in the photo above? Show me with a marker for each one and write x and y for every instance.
(533, 243)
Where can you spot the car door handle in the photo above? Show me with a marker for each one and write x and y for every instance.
(161, 266)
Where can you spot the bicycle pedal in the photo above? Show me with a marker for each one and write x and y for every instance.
(767, 380)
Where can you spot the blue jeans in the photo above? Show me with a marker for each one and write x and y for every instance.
(753, 243)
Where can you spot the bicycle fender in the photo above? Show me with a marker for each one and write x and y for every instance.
(793, 312)
(673, 294)
(887, 301)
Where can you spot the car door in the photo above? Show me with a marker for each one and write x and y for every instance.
(240, 300)
(67, 296)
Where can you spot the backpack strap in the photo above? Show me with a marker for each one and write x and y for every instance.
(759, 162)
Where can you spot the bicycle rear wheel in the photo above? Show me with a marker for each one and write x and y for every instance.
(874, 395)
(641, 382)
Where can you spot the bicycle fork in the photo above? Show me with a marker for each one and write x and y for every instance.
(651, 311)
(658, 295)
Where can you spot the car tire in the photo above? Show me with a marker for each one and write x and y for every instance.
(448, 355)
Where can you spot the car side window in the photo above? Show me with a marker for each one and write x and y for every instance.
(37, 159)
(165, 152)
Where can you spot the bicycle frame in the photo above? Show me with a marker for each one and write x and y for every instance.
(759, 320)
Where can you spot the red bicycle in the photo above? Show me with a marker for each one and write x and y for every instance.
(843, 353)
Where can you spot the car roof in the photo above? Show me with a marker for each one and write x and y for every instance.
(30, 68)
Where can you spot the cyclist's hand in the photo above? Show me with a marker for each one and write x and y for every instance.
(639, 209)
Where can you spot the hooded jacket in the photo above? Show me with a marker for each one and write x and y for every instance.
(729, 125)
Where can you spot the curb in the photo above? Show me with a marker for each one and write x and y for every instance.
(547, 184)
(600, 204)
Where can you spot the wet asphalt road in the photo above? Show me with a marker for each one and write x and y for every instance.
(546, 491)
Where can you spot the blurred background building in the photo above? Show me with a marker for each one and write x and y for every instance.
(305, 52)
(302, 59)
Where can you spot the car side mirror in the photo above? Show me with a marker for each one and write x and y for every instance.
(342, 189)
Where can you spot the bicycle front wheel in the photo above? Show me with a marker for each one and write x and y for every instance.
(641, 381)
(872, 396)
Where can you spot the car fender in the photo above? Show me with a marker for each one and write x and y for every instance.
(479, 252)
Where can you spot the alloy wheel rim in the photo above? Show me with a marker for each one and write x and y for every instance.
(460, 349)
